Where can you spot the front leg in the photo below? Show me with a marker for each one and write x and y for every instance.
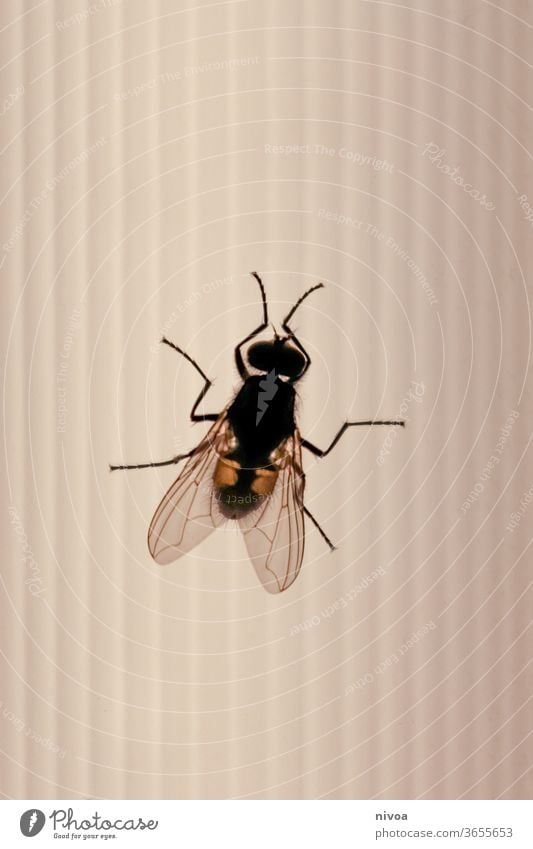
(203, 417)
(239, 362)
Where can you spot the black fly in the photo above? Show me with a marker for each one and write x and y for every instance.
(248, 467)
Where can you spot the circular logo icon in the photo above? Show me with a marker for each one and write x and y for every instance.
(32, 822)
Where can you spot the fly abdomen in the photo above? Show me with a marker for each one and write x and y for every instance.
(239, 490)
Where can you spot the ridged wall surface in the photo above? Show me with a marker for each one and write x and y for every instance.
(153, 154)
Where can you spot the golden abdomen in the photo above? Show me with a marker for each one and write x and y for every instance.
(239, 490)
(226, 473)
(264, 481)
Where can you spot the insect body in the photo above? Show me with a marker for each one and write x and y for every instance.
(248, 467)
(248, 472)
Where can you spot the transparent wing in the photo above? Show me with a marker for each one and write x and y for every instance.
(274, 533)
(189, 511)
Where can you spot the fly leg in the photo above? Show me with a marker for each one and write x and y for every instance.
(290, 332)
(195, 417)
(243, 371)
(203, 417)
(319, 529)
(151, 465)
(319, 452)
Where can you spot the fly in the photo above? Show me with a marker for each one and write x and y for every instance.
(248, 467)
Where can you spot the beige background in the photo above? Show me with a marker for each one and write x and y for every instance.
(137, 193)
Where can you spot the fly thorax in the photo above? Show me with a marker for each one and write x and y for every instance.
(267, 389)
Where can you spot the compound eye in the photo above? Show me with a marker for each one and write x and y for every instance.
(260, 356)
(292, 362)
